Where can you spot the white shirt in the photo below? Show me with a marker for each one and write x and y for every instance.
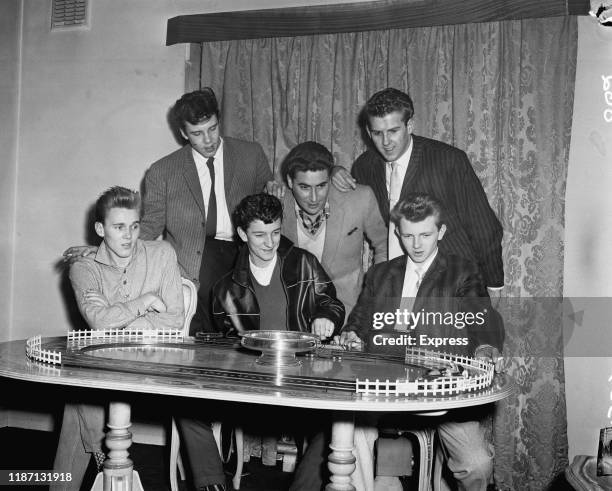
(394, 244)
(225, 229)
(263, 275)
(414, 274)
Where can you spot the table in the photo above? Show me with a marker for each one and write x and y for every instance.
(193, 369)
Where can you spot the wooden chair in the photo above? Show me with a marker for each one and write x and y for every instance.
(190, 299)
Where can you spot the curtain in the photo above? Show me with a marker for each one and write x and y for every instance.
(501, 91)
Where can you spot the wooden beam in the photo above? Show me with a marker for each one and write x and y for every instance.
(356, 17)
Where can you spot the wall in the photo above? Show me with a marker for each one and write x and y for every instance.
(10, 31)
(93, 107)
(588, 235)
(81, 110)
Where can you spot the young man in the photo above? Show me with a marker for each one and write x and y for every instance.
(426, 280)
(401, 163)
(273, 286)
(128, 283)
(190, 193)
(328, 223)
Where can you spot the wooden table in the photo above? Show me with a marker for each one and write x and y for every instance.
(191, 369)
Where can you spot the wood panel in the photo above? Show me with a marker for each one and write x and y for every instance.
(356, 17)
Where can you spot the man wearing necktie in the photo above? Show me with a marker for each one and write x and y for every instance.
(401, 163)
(189, 195)
(427, 280)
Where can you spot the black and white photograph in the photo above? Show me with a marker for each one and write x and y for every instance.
(305, 245)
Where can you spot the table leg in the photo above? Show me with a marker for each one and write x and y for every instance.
(118, 473)
(341, 461)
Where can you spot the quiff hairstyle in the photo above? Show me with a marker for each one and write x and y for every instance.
(116, 197)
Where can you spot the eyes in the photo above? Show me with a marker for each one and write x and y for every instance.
(306, 187)
(262, 235)
(210, 130)
(122, 227)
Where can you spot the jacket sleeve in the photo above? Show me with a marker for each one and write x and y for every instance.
(360, 318)
(326, 303)
(479, 221)
(223, 306)
(487, 327)
(375, 229)
(263, 171)
(153, 220)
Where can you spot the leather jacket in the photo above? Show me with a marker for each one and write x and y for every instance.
(310, 293)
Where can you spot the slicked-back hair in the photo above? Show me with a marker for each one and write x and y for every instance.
(307, 156)
(388, 101)
(264, 207)
(416, 207)
(116, 197)
(195, 107)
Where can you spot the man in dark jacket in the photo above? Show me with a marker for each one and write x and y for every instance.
(440, 302)
(274, 285)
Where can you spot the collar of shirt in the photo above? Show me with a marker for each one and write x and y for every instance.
(312, 225)
(263, 275)
(200, 160)
(422, 267)
(103, 256)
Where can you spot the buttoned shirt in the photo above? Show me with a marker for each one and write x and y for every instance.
(152, 269)
(225, 229)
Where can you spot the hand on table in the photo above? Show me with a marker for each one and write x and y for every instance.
(490, 354)
(350, 340)
(322, 327)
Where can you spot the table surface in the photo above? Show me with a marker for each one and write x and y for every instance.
(188, 369)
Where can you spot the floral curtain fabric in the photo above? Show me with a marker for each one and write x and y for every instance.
(501, 91)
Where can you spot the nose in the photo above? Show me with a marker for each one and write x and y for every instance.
(128, 233)
(206, 138)
(268, 241)
(385, 139)
(313, 195)
(416, 243)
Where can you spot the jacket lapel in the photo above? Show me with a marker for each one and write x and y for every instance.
(229, 162)
(334, 228)
(190, 173)
(430, 280)
(416, 158)
(289, 227)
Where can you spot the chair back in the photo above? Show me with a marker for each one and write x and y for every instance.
(190, 300)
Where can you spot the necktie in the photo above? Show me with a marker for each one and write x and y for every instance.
(395, 189)
(407, 301)
(395, 184)
(211, 213)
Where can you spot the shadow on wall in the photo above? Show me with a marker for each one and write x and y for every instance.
(76, 321)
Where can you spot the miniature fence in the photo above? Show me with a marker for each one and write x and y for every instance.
(124, 335)
(34, 351)
(440, 386)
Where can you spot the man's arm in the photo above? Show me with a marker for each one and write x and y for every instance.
(327, 304)
(473, 297)
(263, 173)
(480, 222)
(170, 292)
(375, 228)
(360, 319)
(153, 220)
(95, 308)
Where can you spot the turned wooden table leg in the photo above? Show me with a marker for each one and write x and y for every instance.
(341, 461)
(118, 467)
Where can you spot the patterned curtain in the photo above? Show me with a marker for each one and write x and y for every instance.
(503, 92)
